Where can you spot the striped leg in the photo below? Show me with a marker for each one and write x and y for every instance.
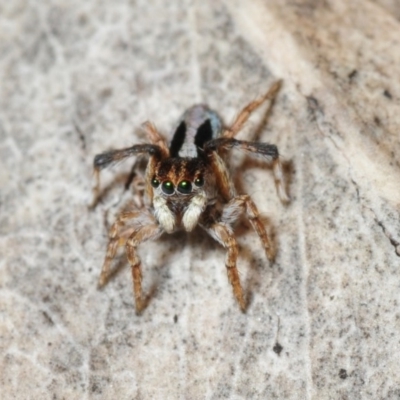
(244, 203)
(247, 111)
(115, 241)
(268, 152)
(142, 234)
(224, 235)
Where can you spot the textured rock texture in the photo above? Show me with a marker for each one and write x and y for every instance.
(77, 78)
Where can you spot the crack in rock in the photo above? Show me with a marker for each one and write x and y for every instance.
(317, 111)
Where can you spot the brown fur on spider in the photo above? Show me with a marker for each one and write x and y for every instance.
(188, 184)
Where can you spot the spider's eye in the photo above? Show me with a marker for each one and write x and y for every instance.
(167, 187)
(155, 182)
(199, 181)
(184, 187)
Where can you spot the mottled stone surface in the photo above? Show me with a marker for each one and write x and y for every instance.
(77, 78)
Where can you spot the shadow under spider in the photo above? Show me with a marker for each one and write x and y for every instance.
(200, 240)
(257, 271)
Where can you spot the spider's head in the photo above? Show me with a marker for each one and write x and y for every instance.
(182, 188)
(179, 177)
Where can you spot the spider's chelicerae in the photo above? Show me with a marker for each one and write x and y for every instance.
(188, 184)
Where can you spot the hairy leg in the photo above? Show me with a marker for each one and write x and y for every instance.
(156, 138)
(244, 115)
(142, 234)
(224, 182)
(268, 152)
(223, 234)
(115, 240)
(244, 203)
(104, 160)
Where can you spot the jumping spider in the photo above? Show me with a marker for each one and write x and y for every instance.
(188, 184)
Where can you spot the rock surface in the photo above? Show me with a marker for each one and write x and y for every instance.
(77, 78)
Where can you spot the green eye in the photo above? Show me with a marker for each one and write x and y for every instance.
(199, 181)
(185, 187)
(155, 182)
(167, 187)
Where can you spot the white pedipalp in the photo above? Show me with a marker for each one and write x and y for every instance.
(193, 212)
(163, 214)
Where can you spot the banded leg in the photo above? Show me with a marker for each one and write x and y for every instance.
(223, 180)
(156, 138)
(244, 203)
(104, 160)
(140, 235)
(223, 234)
(244, 115)
(113, 244)
(269, 152)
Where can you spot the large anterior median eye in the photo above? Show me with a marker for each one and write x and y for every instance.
(184, 187)
(167, 187)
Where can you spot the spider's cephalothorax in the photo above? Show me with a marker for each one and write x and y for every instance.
(188, 184)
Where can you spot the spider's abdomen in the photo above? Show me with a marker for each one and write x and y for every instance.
(197, 126)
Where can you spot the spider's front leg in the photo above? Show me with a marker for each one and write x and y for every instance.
(105, 160)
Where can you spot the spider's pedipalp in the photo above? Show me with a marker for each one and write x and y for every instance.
(194, 210)
(163, 214)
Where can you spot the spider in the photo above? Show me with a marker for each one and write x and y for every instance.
(188, 184)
